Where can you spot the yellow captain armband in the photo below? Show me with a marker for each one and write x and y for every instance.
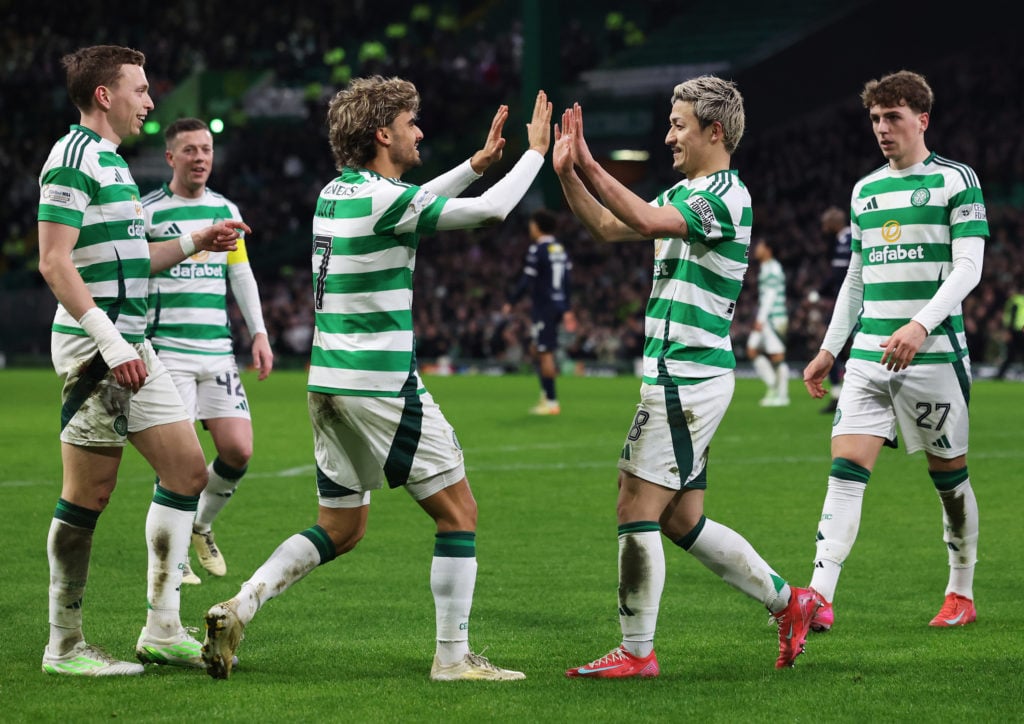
(239, 255)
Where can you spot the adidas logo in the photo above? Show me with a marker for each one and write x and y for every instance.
(871, 205)
(942, 443)
(117, 176)
(173, 230)
(242, 406)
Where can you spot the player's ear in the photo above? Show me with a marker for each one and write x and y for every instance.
(383, 136)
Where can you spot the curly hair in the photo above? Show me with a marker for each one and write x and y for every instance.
(715, 99)
(357, 111)
(89, 68)
(903, 87)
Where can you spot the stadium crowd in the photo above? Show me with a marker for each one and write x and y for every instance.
(464, 68)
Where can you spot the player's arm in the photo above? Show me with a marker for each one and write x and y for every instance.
(247, 296)
(901, 347)
(218, 237)
(648, 221)
(56, 241)
(498, 201)
(454, 182)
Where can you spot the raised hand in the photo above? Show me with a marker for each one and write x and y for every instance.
(538, 130)
(221, 236)
(494, 145)
(561, 156)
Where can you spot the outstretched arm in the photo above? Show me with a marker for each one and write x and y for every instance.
(454, 182)
(649, 221)
(599, 221)
(218, 237)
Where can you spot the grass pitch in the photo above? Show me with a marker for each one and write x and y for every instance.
(353, 641)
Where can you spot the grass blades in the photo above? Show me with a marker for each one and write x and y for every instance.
(354, 640)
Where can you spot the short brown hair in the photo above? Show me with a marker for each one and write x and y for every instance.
(903, 87)
(357, 111)
(183, 125)
(89, 68)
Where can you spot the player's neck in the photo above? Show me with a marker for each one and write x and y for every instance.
(186, 192)
(96, 121)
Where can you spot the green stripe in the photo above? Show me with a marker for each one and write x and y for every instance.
(688, 314)
(376, 281)
(370, 360)
(190, 300)
(947, 480)
(170, 499)
(678, 352)
(405, 443)
(427, 223)
(192, 213)
(76, 515)
(640, 526)
(455, 544)
(193, 331)
(902, 253)
(88, 379)
(888, 327)
(345, 208)
(369, 244)
(116, 230)
(72, 178)
(324, 545)
(925, 358)
(682, 442)
(899, 291)
(390, 218)
(690, 538)
(106, 271)
(362, 393)
(397, 321)
(58, 215)
(111, 159)
(848, 470)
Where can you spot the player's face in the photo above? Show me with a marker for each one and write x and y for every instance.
(685, 139)
(129, 101)
(900, 134)
(405, 138)
(191, 157)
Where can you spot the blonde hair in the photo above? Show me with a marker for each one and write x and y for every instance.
(357, 111)
(715, 99)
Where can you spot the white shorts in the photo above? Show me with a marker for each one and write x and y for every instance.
(670, 438)
(209, 385)
(98, 412)
(928, 402)
(359, 442)
(770, 339)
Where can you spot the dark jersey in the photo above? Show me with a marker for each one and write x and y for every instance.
(546, 275)
(841, 252)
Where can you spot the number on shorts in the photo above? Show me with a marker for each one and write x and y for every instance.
(926, 410)
(642, 416)
(225, 382)
(321, 242)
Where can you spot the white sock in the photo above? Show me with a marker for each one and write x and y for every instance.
(221, 486)
(839, 523)
(641, 582)
(764, 369)
(168, 531)
(960, 532)
(452, 581)
(289, 564)
(68, 548)
(782, 381)
(728, 554)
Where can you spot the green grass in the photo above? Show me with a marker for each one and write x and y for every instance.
(353, 641)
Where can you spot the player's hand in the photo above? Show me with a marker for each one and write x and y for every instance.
(757, 327)
(580, 150)
(903, 345)
(561, 156)
(538, 130)
(815, 373)
(262, 355)
(131, 374)
(494, 145)
(221, 236)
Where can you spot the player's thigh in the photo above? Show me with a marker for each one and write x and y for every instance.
(220, 392)
(668, 441)
(775, 338)
(865, 405)
(931, 406)
(94, 407)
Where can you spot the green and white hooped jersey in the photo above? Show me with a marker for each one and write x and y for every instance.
(365, 234)
(771, 291)
(697, 281)
(188, 302)
(86, 184)
(903, 223)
